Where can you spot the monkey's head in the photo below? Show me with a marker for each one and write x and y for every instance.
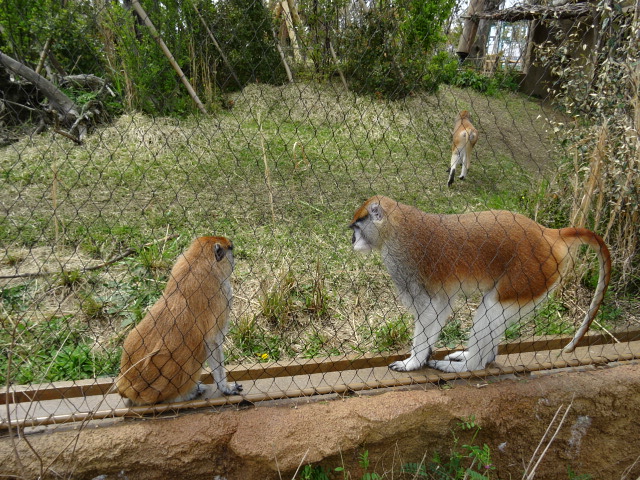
(369, 224)
(465, 114)
(220, 248)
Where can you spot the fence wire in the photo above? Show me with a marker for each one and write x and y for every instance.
(268, 128)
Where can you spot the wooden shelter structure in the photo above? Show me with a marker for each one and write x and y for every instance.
(545, 22)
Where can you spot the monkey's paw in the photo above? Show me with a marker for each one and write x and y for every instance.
(407, 365)
(448, 366)
(456, 362)
(231, 388)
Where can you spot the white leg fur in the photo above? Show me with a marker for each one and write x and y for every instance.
(489, 324)
(456, 159)
(430, 316)
(215, 359)
(464, 160)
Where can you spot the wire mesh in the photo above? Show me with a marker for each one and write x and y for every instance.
(270, 127)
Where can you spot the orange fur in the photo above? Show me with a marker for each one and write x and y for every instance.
(465, 137)
(164, 354)
(515, 261)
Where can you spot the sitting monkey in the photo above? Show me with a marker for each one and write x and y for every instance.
(164, 354)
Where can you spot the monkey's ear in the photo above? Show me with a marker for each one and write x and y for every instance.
(376, 212)
(220, 252)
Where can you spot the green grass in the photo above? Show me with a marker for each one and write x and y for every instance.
(299, 288)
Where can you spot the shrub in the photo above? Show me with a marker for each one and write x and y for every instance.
(389, 52)
(244, 29)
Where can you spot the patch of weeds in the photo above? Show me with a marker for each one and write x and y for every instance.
(277, 303)
(549, 319)
(251, 341)
(365, 464)
(464, 461)
(50, 351)
(92, 306)
(317, 344)
(318, 472)
(158, 257)
(73, 362)
(313, 472)
(453, 334)
(70, 278)
(314, 295)
(13, 299)
(392, 335)
(287, 298)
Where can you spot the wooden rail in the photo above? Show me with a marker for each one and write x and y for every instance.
(290, 368)
(102, 387)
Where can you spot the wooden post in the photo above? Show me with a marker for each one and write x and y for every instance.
(156, 36)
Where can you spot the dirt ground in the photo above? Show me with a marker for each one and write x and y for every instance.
(600, 435)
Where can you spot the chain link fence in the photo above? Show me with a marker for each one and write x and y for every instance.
(130, 129)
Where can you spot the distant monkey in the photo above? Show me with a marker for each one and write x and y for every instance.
(465, 137)
(512, 260)
(164, 354)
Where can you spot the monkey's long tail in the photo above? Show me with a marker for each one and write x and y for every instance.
(584, 236)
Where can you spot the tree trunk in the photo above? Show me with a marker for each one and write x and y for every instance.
(67, 110)
(469, 29)
(291, 30)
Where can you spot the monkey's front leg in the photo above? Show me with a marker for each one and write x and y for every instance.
(430, 316)
(215, 359)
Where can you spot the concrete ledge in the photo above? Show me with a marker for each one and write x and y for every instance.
(601, 436)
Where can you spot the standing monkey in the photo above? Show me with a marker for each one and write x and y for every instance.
(465, 137)
(514, 261)
(164, 354)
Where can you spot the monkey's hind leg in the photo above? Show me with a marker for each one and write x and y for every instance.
(195, 392)
(455, 160)
(464, 161)
(490, 322)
